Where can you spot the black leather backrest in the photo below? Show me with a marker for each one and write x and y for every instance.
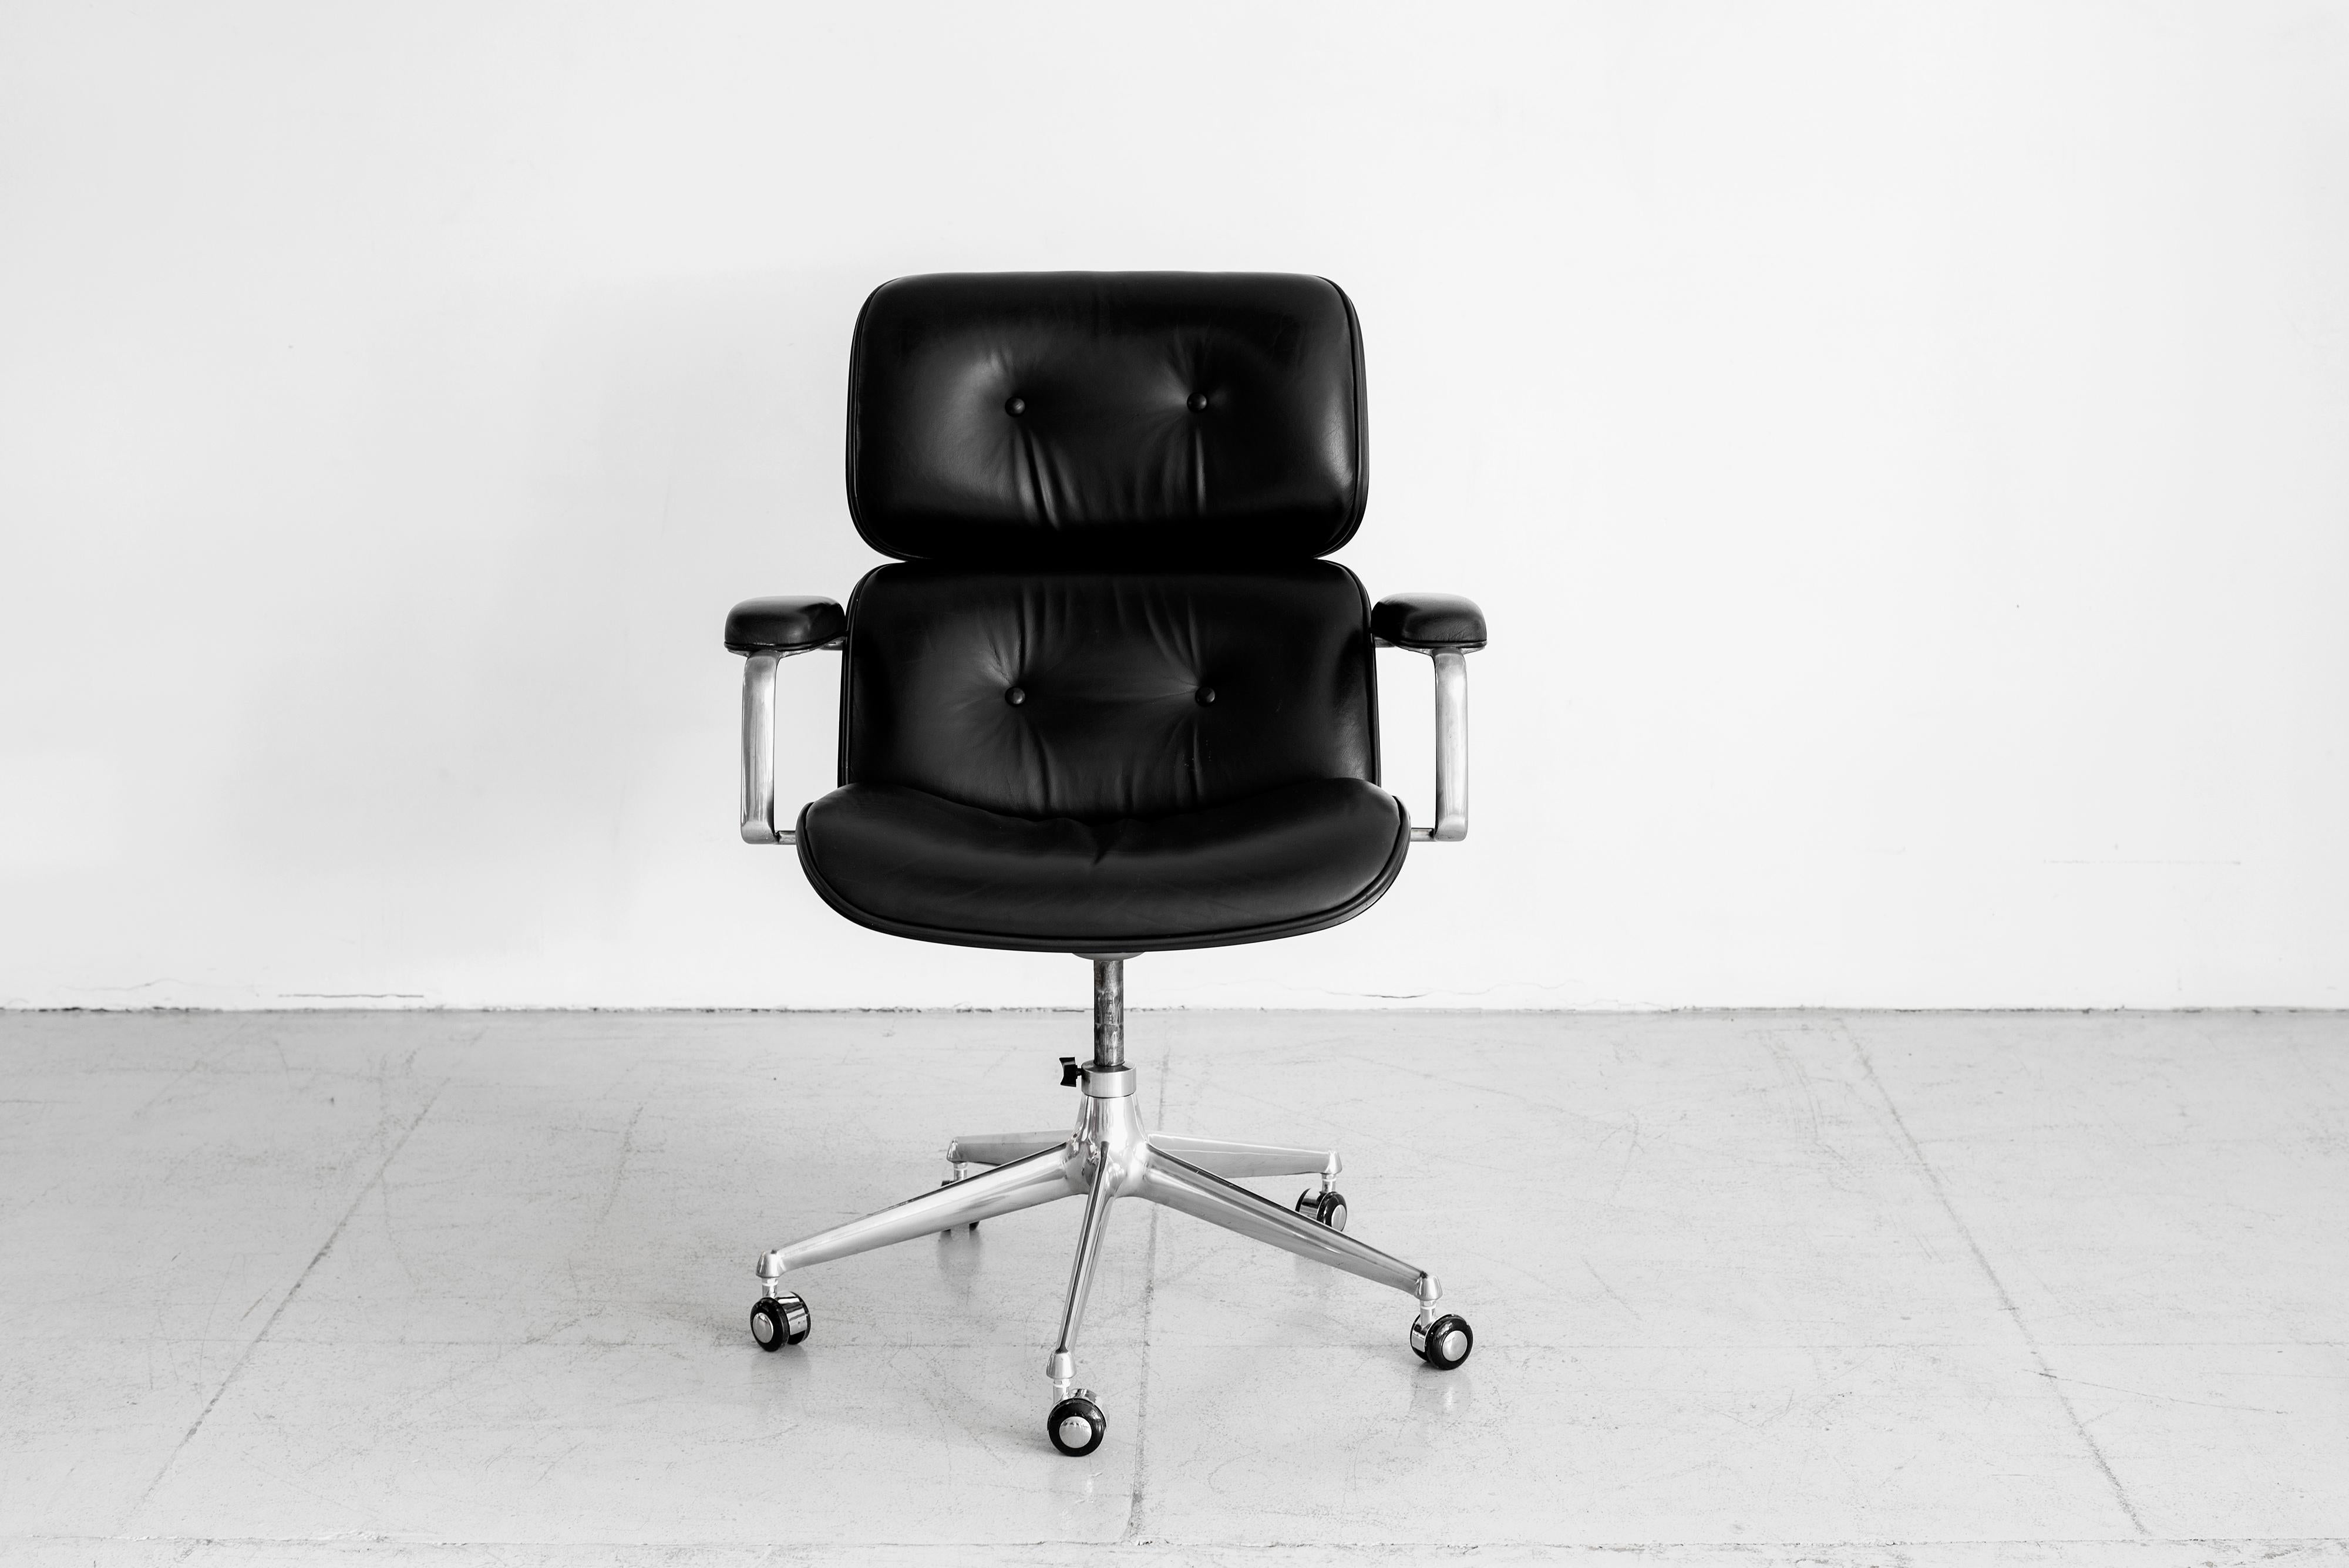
(1109, 419)
(1110, 668)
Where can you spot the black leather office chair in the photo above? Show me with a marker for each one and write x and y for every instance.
(1109, 701)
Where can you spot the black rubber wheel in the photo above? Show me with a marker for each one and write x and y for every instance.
(1328, 1208)
(1443, 1344)
(779, 1321)
(949, 1181)
(1076, 1425)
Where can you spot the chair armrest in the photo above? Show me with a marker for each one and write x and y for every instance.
(769, 631)
(791, 622)
(1425, 622)
(1447, 629)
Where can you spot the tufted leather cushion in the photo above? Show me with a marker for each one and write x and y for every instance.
(1289, 860)
(1128, 418)
(1103, 695)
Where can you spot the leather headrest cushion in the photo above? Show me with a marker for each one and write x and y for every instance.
(1124, 419)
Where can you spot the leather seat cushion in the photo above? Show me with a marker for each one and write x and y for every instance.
(1293, 859)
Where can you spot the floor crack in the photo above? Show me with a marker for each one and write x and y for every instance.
(316, 1258)
(1997, 1285)
(1149, 1297)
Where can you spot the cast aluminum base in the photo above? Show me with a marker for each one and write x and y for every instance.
(1110, 1155)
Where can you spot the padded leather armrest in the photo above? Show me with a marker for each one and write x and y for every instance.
(789, 621)
(1429, 622)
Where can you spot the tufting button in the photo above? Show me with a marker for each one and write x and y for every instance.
(1198, 401)
(1015, 696)
(1015, 406)
(1206, 694)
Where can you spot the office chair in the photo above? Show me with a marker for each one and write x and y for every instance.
(1108, 700)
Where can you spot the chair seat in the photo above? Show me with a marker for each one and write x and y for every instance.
(1290, 860)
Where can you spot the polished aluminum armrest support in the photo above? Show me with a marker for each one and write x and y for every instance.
(759, 824)
(1447, 629)
(1450, 745)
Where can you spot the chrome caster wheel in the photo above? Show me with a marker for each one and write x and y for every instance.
(949, 1231)
(1077, 1425)
(1443, 1344)
(1329, 1208)
(779, 1321)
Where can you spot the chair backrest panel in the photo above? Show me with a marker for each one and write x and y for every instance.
(1139, 693)
(1107, 418)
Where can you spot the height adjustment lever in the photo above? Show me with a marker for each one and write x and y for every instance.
(1070, 1072)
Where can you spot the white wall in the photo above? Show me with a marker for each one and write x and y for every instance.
(1901, 449)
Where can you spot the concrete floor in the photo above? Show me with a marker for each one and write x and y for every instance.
(1837, 1289)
